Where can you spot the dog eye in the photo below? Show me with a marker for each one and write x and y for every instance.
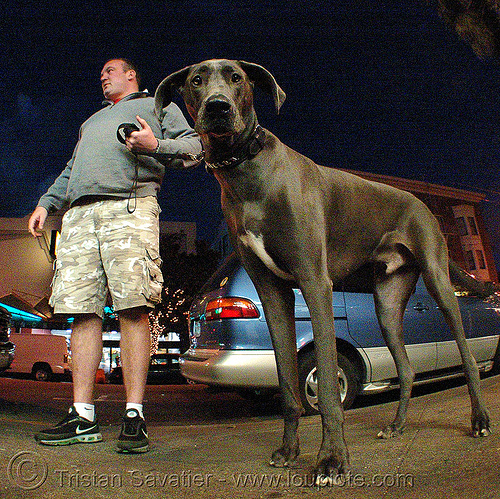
(197, 80)
(235, 78)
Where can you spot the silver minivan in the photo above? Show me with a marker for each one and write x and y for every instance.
(230, 344)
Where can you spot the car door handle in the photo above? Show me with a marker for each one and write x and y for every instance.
(420, 307)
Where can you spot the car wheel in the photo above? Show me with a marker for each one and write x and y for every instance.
(348, 379)
(41, 374)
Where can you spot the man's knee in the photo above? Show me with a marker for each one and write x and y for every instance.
(136, 314)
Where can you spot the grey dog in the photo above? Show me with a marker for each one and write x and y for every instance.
(293, 222)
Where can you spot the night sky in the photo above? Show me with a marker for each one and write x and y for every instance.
(377, 86)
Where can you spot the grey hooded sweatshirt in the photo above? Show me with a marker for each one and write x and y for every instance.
(102, 166)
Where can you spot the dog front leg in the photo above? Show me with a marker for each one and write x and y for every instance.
(278, 301)
(279, 310)
(286, 360)
(333, 456)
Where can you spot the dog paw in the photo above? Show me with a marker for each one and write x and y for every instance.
(331, 470)
(390, 431)
(329, 480)
(484, 432)
(481, 426)
(284, 458)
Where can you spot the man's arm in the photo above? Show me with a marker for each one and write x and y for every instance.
(56, 197)
(180, 146)
(53, 200)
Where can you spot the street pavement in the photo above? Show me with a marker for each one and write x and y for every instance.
(210, 445)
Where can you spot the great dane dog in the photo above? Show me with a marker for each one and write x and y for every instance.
(293, 222)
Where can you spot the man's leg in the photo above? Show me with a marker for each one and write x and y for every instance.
(80, 426)
(86, 354)
(131, 260)
(79, 290)
(135, 344)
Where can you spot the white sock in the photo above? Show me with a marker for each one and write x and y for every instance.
(86, 411)
(137, 407)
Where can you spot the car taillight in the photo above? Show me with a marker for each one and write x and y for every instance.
(230, 308)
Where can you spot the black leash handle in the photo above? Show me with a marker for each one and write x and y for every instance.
(124, 131)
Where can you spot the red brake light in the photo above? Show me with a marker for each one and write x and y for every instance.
(230, 308)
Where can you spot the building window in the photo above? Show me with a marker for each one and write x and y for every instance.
(471, 263)
(462, 226)
(473, 226)
(480, 259)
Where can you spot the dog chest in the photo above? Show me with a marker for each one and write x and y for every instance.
(256, 244)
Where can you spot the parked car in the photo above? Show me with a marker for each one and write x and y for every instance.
(162, 370)
(230, 345)
(7, 348)
(41, 355)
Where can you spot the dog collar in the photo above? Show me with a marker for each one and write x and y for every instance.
(254, 145)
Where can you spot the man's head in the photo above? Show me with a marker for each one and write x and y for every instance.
(119, 77)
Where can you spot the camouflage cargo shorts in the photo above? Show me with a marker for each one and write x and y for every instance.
(104, 248)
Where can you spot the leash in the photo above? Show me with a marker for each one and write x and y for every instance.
(124, 131)
(254, 145)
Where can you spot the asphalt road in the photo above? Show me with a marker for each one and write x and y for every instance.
(164, 404)
(174, 404)
(217, 445)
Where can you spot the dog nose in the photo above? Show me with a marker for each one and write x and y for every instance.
(218, 106)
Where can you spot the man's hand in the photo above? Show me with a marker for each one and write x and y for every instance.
(37, 220)
(142, 141)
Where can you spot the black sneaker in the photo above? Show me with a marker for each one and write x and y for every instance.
(133, 435)
(73, 429)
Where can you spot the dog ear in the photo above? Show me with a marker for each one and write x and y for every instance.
(163, 94)
(265, 81)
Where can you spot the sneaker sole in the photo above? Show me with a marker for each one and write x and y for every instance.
(132, 450)
(80, 439)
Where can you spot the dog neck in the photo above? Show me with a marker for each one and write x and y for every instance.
(249, 149)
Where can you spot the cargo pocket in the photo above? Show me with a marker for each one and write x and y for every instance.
(153, 284)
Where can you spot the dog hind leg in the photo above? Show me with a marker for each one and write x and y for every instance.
(391, 295)
(438, 284)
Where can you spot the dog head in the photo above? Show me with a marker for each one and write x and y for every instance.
(219, 96)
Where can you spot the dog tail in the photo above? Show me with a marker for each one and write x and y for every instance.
(466, 282)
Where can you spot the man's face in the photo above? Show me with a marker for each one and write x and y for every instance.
(116, 83)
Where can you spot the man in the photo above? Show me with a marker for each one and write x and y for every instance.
(110, 244)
